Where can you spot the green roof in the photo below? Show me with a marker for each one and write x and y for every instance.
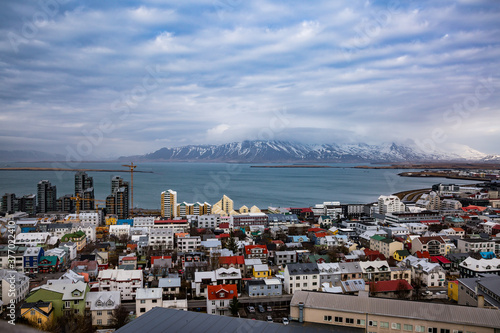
(72, 236)
(378, 237)
(52, 260)
(403, 253)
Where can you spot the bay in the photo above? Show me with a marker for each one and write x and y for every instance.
(263, 187)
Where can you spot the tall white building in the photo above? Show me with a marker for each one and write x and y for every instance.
(390, 204)
(125, 281)
(169, 204)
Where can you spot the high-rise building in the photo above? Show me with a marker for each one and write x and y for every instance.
(84, 187)
(118, 202)
(224, 206)
(9, 203)
(169, 204)
(390, 204)
(46, 196)
(27, 204)
(65, 204)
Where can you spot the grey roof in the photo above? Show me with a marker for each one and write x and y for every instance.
(159, 320)
(452, 314)
(302, 269)
(170, 282)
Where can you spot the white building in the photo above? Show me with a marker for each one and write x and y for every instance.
(147, 299)
(93, 218)
(148, 221)
(417, 228)
(119, 230)
(88, 229)
(301, 277)
(15, 286)
(161, 238)
(187, 244)
(209, 221)
(31, 239)
(429, 274)
(101, 305)
(429, 201)
(125, 281)
(390, 204)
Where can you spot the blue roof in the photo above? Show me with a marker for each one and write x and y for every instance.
(130, 222)
(487, 255)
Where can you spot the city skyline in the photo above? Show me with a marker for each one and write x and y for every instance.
(125, 78)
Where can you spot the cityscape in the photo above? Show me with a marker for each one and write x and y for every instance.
(240, 166)
(78, 263)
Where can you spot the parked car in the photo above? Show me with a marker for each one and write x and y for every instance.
(269, 309)
(251, 309)
(261, 309)
(285, 321)
(269, 319)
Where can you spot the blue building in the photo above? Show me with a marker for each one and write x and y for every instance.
(31, 258)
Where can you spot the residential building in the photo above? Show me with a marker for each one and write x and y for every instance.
(117, 203)
(429, 201)
(374, 271)
(101, 305)
(89, 267)
(169, 204)
(385, 246)
(14, 286)
(219, 298)
(256, 252)
(40, 314)
(46, 197)
(176, 225)
(224, 207)
(264, 287)
(390, 204)
(261, 271)
(373, 314)
(467, 245)
(426, 273)
(66, 297)
(125, 281)
(400, 289)
(472, 267)
(285, 257)
(301, 277)
(330, 273)
(170, 285)
(453, 290)
(84, 188)
(209, 221)
(32, 239)
(481, 291)
(31, 259)
(250, 219)
(147, 299)
(161, 239)
(435, 245)
(188, 243)
(48, 264)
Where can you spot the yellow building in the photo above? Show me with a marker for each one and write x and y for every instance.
(453, 290)
(39, 313)
(184, 209)
(261, 271)
(169, 204)
(111, 219)
(224, 207)
(400, 255)
(255, 209)
(244, 210)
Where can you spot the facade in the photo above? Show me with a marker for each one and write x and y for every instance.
(479, 291)
(372, 314)
(162, 239)
(125, 281)
(256, 252)
(101, 305)
(374, 271)
(385, 246)
(40, 314)
(66, 297)
(471, 267)
(10, 279)
(250, 219)
(285, 257)
(264, 287)
(219, 297)
(146, 299)
(224, 207)
(475, 245)
(31, 259)
(169, 204)
(188, 243)
(117, 203)
(209, 221)
(301, 277)
(32, 239)
(390, 204)
(46, 197)
(79, 238)
(435, 245)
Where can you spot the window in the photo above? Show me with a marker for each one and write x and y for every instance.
(76, 311)
(67, 304)
(110, 313)
(444, 330)
(143, 301)
(349, 321)
(327, 318)
(360, 322)
(76, 302)
(384, 324)
(99, 321)
(99, 313)
(298, 285)
(155, 301)
(32, 312)
(213, 311)
(213, 302)
(407, 327)
(419, 328)
(396, 326)
(339, 319)
(372, 323)
(432, 330)
(142, 310)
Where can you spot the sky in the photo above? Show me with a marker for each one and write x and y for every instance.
(101, 79)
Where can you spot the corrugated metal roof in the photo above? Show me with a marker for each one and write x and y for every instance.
(444, 313)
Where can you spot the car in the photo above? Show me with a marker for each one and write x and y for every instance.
(261, 309)
(269, 309)
(269, 319)
(284, 320)
(251, 309)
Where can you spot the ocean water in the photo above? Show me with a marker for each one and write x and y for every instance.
(263, 187)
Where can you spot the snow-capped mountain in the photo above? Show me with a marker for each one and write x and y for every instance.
(281, 151)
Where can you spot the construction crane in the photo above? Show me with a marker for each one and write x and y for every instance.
(132, 167)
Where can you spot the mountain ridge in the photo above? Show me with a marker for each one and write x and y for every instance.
(258, 151)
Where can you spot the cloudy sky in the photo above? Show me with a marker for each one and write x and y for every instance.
(109, 78)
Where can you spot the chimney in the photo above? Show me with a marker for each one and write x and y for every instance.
(480, 301)
(301, 312)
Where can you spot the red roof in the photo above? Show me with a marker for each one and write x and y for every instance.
(472, 207)
(306, 210)
(440, 259)
(248, 248)
(129, 258)
(132, 246)
(170, 221)
(321, 234)
(222, 291)
(279, 242)
(234, 260)
(423, 254)
(315, 229)
(224, 225)
(388, 286)
(153, 258)
(223, 236)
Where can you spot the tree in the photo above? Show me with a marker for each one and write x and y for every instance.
(120, 317)
(71, 323)
(232, 245)
(234, 306)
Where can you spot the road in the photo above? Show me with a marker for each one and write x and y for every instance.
(247, 300)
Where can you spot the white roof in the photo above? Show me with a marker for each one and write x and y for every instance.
(199, 276)
(120, 274)
(481, 265)
(232, 272)
(67, 289)
(327, 289)
(261, 268)
(328, 268)
(103, 300)
(148, 293)
(252, 262)
(273, 281)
